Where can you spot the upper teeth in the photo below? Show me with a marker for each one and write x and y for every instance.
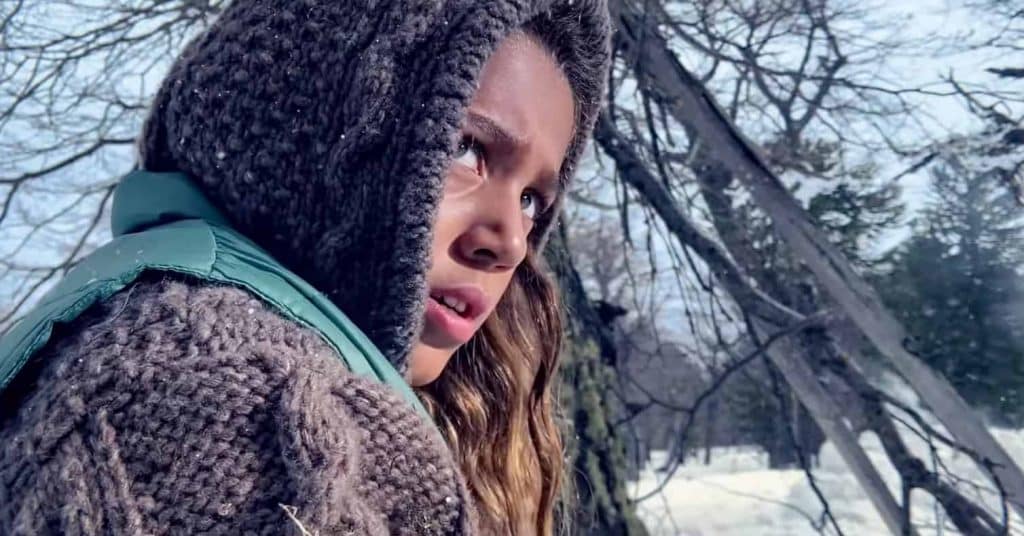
(452, 302)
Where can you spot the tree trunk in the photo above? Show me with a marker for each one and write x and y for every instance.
(599, 504)
(829, 416)
(710, 417)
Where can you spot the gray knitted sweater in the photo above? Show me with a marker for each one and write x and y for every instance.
(323, 130)
(190, 409)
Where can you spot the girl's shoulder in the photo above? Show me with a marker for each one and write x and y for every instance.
(205, 408)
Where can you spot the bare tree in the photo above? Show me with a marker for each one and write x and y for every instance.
(719, 111)
(718, 155)
(75, 79)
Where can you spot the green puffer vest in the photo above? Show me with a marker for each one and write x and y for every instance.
(162, 223)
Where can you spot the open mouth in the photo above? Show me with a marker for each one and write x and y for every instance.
(454, 304)
(455, 311)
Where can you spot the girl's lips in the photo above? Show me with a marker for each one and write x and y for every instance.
(459, 327)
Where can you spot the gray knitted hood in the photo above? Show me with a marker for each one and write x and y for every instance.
(324, 129)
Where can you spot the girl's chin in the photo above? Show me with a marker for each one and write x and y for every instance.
(426, 363)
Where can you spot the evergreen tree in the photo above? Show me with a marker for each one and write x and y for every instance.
(957, 284)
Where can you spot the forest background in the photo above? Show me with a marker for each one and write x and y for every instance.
(792, 262)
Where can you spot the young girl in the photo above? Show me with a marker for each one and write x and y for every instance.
(331, 251)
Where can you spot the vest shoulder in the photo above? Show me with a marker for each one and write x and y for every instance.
(181, 376)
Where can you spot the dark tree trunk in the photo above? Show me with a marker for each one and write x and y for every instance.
(710, 418)
(597, 504)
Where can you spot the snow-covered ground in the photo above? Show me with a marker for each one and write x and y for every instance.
(737, 495)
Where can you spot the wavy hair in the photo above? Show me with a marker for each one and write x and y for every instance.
(494, 403)
(495, 406)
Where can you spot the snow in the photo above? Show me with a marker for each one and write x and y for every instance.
(732, 495)
(738, 495)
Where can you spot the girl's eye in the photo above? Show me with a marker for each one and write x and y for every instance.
(470, 154)
(532, 203)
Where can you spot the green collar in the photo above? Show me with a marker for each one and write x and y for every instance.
(178, 229)
(144, 199)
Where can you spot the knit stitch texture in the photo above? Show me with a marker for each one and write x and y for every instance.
(177, 408)
(323, 129)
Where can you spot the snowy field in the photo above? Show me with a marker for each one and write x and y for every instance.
(737, 495)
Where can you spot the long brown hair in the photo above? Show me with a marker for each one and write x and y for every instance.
(494, 404)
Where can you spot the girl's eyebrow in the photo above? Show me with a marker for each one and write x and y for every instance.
(492, 128)
(503, 135)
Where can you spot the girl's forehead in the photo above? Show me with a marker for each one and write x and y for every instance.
(524, 93)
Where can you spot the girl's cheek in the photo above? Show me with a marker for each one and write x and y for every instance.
(460, 182)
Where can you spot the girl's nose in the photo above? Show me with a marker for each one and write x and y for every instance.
(496, 240)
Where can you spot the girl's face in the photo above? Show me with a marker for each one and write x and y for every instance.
(505, 174)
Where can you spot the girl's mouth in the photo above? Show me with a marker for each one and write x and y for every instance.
(455, 311)
(451, 302)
